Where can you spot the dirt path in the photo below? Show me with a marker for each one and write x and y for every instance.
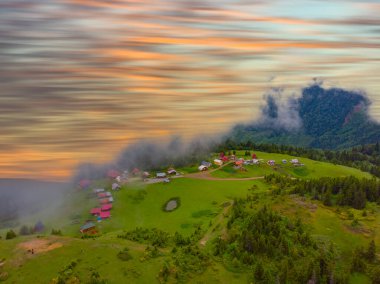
(218, 221)
(207, 175)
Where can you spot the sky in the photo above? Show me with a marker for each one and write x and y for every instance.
(81, 79)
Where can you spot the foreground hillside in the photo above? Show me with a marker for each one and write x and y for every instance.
(200, 240)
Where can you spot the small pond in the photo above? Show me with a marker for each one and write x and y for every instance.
(171, 205)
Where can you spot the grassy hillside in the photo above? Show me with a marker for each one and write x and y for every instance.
(203, 216)
(312, 169)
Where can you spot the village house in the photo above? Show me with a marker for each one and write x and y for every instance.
(95, 211)
(225, 159)
(135, 171)
(106, 207)
(99, 190)
(115, 186)
(146, 174)
(161, 175)
(105, 214)
(102, 195)
(284, 161)
(248, 162)
(171, 171)
(88, 228)
(218, 162)
(124, 176)
(271, 162)
(255, 162)
(206, 164)
(294, 161)
(106, 200)
(202, 168)
(112, 174)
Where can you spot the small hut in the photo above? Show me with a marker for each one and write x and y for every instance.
(88, 228)
(106, 207)
(202, 168)
(95, 211)
(161, 175)
(171, 171)
(105, 214)
(113, 174)
(218, 162)
(115, 186)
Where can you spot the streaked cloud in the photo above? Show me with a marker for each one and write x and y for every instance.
(80, 79)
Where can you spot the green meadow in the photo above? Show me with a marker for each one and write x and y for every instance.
(311, 168)
(204, 204)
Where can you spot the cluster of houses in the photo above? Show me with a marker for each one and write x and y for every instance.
(105, 199)
(103, 211)
(240, 162)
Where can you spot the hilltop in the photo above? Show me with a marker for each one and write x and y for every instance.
(321, 118)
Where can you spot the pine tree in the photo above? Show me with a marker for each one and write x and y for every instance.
(371, 252)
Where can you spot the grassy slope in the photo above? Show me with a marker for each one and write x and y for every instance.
(312, 169)
(200, 202)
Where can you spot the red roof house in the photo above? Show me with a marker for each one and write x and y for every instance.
(113, 173)
(102, 195)
(135, 171)
(84, 183)
(104, 201)
(106, 207)
(95, 211)
(105, 214)
(254, 156)
(224, 158)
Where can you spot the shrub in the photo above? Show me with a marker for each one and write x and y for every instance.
(124, 255)
(3, 276)
(24, 230)
(56, 232)
(10, 235)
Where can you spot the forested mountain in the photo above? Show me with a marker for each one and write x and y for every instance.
(321, 118)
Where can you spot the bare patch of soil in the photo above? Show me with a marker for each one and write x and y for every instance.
(36, 246)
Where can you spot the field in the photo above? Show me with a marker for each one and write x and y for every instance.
(312, 169)
(203, 203)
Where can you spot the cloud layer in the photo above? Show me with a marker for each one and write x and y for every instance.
(79, 79)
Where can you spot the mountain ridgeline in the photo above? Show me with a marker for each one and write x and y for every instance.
(321, 118)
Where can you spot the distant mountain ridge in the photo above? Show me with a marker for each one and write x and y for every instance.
(323, 118)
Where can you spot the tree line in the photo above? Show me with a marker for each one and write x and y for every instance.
(344, 191)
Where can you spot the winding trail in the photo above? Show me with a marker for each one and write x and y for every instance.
(212, 230)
